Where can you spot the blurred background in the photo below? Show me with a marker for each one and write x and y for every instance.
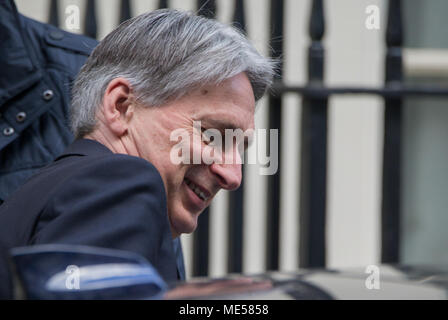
(361, 108)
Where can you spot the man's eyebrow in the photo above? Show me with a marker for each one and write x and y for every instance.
(218, 123)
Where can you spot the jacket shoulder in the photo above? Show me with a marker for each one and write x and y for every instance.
(69, 41)
(106, 171)
(58, 38)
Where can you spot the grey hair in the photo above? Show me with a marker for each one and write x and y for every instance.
(164, 54)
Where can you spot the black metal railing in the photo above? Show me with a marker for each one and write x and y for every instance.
(313, 138)
(125, 10)
(275, 122)
(390, 218)
(53, 16)
(313, 170)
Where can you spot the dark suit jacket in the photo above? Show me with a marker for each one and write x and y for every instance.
(91, 196)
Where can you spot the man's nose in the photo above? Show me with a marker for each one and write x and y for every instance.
(228, 175)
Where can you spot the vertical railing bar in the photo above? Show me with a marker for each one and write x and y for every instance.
(390, 215)
(163, 4)
(125, 10)
(313, 173)
(236, 198)
(201, 235)
(90, 24)
(53, 17)
(239, 16)
(274, 122)
(207, 8)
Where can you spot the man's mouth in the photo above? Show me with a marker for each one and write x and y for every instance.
(203, 195)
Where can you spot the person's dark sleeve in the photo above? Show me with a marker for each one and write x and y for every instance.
(118, 202)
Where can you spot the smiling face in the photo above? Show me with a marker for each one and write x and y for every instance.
(191, 187)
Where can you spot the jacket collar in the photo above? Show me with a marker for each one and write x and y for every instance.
(85, 147)
(18, 63)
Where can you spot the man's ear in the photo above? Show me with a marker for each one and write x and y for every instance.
(117, 106)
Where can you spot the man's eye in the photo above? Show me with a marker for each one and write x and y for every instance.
(210, 135)
(213, 138)
(206, 137)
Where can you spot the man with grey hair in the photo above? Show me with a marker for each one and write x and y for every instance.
(115, 186)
